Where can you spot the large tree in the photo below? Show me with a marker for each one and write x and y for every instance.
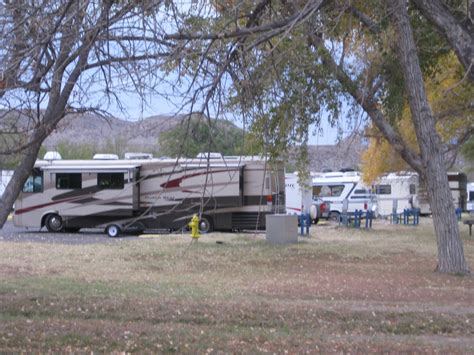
(64, 57)
(299, 57)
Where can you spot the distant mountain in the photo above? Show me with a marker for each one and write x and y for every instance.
(90, 128)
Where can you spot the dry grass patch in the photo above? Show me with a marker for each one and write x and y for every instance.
(338, 290)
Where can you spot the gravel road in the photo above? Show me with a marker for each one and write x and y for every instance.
(10, 233)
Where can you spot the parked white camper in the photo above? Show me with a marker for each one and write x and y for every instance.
(297, 197)
(396, 190)
(338, 187)
(150, 194)
(470, 197)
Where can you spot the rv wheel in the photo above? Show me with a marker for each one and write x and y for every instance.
(334, 216)
(113, 231)
(205, 224)
(54, 223)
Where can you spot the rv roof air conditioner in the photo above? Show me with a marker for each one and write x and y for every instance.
(130, 156)
(105, 157)
(52, 156)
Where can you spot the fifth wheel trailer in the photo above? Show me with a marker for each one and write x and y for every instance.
(458, 186)
(396, 190)
(229, 193)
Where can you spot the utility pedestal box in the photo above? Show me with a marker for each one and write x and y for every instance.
(281, 228)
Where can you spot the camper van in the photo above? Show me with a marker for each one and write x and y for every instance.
(396, 191)
(458, 186)
(117, 195)
(339, 188)
(470, 197)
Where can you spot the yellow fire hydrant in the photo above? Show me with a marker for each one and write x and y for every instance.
(194, 225)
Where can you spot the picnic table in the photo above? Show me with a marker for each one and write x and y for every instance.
(469, 222)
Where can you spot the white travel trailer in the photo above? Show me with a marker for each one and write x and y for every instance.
(470, 197)
(227, 193)
(338, 187)
(298, 198)
(397, 190)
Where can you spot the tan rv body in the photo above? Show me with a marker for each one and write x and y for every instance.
(233, 193)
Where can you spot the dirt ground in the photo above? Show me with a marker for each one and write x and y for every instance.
(338, 290)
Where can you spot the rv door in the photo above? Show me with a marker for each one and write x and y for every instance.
(135, 176)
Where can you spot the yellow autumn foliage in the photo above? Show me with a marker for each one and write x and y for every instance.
(450, 97)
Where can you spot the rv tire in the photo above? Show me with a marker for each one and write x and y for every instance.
(334, 216)
(54, 223)
(113, 230)
(205, 224)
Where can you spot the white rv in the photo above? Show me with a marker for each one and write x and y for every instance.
(338, 187)
(298, 198)
(396, 190)
(228, 194)
(470, 197)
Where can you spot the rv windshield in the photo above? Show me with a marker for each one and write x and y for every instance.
(34, 183)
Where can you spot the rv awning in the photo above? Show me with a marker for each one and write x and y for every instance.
(91, 168)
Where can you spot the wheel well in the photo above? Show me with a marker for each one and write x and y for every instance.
(43, 219)
(45, 216)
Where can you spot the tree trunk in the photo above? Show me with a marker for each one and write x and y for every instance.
(22, 171)
(450, 248)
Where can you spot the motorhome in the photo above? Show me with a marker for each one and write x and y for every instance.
(228, 194)
(340, 188)
(470, 197)
(396, 191)
(458, 186)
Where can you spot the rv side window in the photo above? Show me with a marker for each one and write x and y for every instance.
(471, 195)
(412, 189)
(68, 181)
(110, 180)
(34, 183)
(329, 191)
(383, 189)
(360, 194)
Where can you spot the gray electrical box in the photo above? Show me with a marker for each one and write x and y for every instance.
(281, 228)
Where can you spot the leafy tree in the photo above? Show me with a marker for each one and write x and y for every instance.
(222, 137)
(75, 151)
(467, 150)
(450, 99)
(373, 54)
